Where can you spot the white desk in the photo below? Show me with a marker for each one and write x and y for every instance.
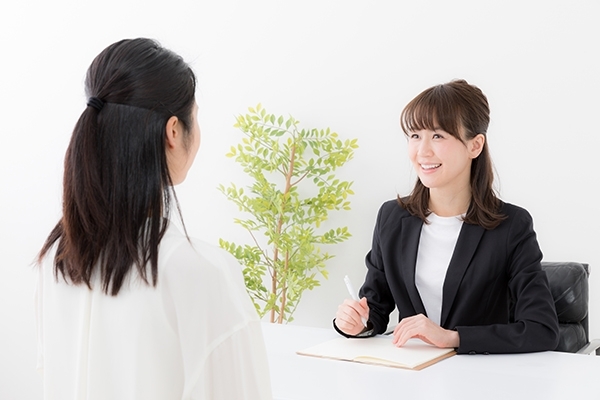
(546, 376)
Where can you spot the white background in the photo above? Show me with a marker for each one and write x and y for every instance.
(347, 65)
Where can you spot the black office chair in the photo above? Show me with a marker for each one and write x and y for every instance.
(569, 286)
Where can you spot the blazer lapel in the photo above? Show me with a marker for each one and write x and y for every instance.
(467, 243)
(410, 235)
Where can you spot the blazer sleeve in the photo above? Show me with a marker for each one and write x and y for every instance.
(375, 288)
(535, 324)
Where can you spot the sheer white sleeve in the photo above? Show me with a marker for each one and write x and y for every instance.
(221, 340)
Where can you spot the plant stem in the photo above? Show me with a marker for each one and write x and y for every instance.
(284, 291)
(288, 185)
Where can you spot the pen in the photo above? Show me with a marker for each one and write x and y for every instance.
(354, 296)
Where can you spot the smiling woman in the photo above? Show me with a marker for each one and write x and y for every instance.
(448, 123)
(452, 257)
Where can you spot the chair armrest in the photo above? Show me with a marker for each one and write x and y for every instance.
(592, 347)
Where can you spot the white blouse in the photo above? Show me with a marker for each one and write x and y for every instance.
(196, 335)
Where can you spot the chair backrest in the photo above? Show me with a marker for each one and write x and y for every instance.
(569, 286)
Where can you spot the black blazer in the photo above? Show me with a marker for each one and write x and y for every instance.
(492, 275)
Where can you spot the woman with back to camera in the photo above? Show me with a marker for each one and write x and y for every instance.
(461, 266)
(128, 307)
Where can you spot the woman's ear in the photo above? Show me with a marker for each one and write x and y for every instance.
(172, 132)
(476, 145)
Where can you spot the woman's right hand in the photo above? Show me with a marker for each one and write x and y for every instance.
(348, 316)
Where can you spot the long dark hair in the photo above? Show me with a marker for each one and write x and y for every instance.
(455, 107)
(117, 187)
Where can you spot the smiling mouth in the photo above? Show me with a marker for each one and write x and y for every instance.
(430, 166)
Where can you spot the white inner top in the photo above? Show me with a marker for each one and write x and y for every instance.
(436, 246)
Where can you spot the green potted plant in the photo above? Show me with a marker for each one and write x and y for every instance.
(293, 190)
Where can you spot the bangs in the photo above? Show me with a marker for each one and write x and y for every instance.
(433, 109)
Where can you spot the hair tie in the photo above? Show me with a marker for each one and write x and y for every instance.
(96, 103)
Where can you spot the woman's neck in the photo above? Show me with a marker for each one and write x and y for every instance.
(446, 204)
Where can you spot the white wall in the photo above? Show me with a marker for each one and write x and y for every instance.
(347, 65)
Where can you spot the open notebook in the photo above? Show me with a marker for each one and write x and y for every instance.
(415, 354)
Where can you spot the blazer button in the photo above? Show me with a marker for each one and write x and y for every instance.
(472, 352)
(486, 353)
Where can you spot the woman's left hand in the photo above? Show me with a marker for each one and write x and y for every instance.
(419, 326)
